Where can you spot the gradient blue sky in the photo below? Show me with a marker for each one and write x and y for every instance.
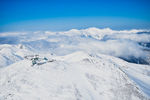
(25, 15)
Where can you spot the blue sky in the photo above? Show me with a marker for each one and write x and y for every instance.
(17, 15)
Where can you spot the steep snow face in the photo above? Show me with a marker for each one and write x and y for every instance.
(10, 54)
(82, 65)
(77, 76)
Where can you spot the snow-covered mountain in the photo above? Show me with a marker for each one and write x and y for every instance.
(87, 64)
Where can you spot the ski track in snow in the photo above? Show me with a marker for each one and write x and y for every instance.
(86, 65)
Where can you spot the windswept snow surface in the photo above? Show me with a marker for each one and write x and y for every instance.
(87, 64)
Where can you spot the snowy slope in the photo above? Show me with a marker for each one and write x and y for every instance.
(10, 54)
(77, 76)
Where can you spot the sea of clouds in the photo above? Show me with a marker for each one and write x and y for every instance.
(130, 45)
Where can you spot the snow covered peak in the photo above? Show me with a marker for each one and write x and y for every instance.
(86, 78)
(94, 30)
